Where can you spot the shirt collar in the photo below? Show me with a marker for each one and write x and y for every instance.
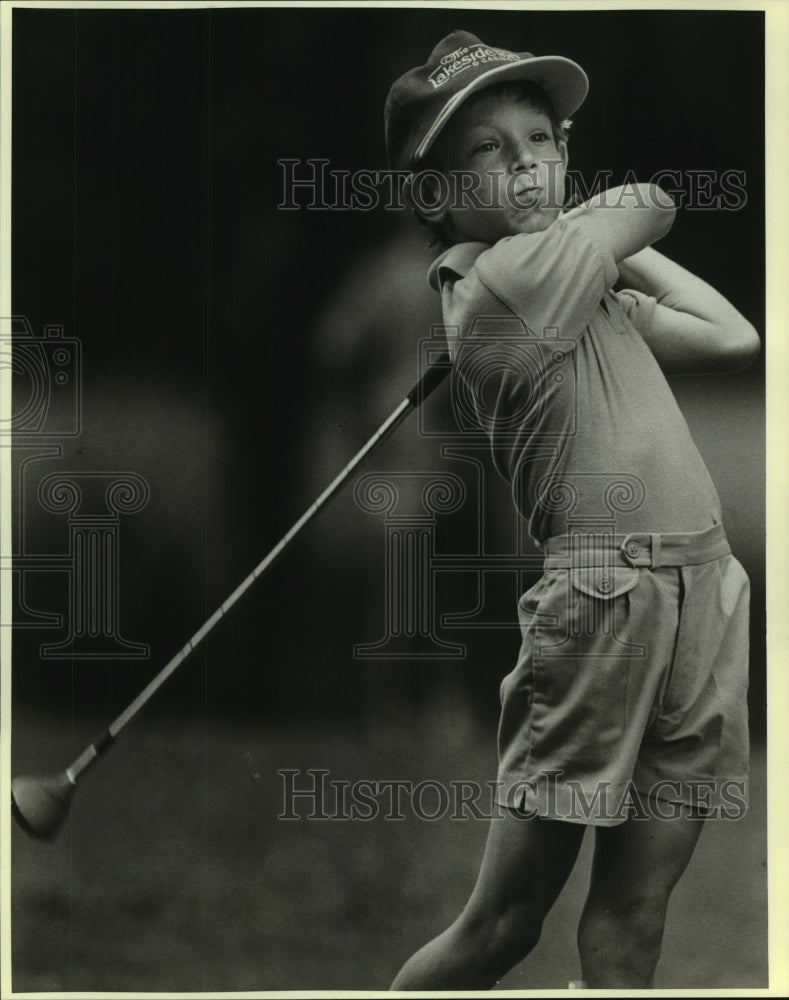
(459, 259)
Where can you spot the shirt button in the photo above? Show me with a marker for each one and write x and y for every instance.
(605, 584)
(633, 549)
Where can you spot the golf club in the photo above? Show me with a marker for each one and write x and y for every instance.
(41, 803)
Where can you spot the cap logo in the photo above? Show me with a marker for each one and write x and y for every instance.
(465, 58)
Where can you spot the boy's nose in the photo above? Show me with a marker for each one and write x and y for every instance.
(523, 159)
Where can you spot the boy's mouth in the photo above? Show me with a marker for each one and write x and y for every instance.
(525, 193)
(527, 196)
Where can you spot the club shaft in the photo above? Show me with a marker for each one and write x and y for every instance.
(429, 381)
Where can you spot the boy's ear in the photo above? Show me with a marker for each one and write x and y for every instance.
(563, 152)
(427, 194)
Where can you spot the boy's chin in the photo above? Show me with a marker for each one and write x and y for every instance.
(535, 221)
(532, 221)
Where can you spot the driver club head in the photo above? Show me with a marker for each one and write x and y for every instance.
(41, 803)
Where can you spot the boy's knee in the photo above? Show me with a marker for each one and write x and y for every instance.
(632, 924)
(521, 929)
(510, 933)
(619, 946)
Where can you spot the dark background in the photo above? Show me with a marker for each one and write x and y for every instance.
(145, 221)
(235, 356)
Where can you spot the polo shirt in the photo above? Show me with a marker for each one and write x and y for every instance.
(553, 365)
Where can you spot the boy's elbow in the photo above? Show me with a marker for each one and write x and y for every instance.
(741, 349)
(664, 211)
(746, 348)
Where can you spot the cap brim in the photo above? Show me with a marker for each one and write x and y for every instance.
(563, 81)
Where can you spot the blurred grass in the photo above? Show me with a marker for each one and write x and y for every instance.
(174, 872)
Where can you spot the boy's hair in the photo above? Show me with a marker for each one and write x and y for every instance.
(520, 91)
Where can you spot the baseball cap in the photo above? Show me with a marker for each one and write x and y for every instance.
(421, 102)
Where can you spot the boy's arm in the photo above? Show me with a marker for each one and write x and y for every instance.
(624, 220)
(556, 278)
(693, 327)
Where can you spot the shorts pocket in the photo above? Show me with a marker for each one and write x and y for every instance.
(592, 612)
(529, 615)
(604, 582)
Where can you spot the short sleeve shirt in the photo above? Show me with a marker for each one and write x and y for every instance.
(580, 417)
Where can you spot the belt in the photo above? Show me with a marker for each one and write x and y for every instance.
(636, 549)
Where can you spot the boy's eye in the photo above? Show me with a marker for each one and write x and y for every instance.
(539, 136)
(488, 146)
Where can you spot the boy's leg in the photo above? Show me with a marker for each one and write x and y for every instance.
(636, 866)
(525, 865)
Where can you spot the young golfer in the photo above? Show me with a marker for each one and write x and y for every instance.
(626, 710)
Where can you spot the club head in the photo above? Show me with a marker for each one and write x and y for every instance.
(41, 803)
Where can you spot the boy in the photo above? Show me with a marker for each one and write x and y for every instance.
(626, 710)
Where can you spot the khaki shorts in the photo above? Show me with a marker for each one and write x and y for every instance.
(632, 677)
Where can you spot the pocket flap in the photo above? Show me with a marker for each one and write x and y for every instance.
(597, 581)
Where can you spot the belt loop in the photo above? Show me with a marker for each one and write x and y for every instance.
(655, 550)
